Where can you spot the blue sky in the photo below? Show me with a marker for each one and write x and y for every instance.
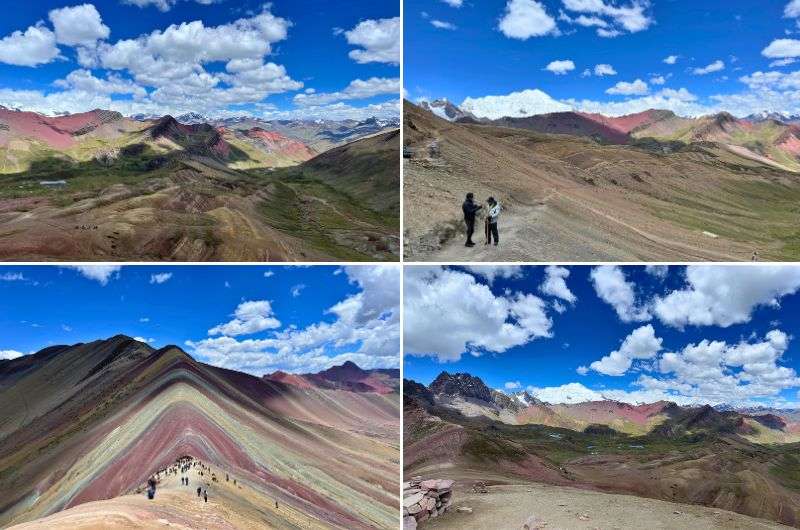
(699, 335)
(254, 319)
(687, 56)
(218, 57)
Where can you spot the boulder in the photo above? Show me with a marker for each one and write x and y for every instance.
(409, 523)
(412, 499)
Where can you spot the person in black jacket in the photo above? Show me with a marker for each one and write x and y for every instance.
(470, 208)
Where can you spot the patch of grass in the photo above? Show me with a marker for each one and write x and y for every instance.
(787, 470)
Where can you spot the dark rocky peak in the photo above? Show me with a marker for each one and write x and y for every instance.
(460, 384)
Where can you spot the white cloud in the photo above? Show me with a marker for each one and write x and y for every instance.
(492, 272)
(611, 20)
(476, 319)
(12, 277)
(612, 287)
(379, 41)
(250, 317)
(604, 69)
(144, 319)
(443, 25)
(357, 89)
(624, 88)
(555, 284)
(782, 48)
(79, 25)
(269, 274)
(37, 45)
(145, 340)
(99, 273)
(658, 80)
(512, 385)
(367, 325)
(723, 296)
(582, 370)
(10, 354)
(716, 66)
(792, 9)
(782, 62)
(642, 343)
(657, 271)
(515, 105)
(66, 328)
(162, 5)
(524, 19)
(454, 3)
(85, 81)
(160, 278)
(672, 59)
(560, 67)
(297, 289)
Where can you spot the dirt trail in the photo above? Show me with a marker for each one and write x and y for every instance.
(570, 508)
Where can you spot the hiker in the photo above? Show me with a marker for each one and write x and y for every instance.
(470, 208)
(205, 495)
(151, 488)
(276, 504)
(491, 221)
(199, 490)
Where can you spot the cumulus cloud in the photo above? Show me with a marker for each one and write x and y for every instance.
(716, 66)
(160, 278)
(102, 274)
(454, 3)
(604, 69)
(611, 20)
(555, 283)
(145, 340)
(723, 296)
(366, 330)
(475, 318)
(657, 271)
(524, 19)
(379, 41)
(10, 354)
(782, 48)
(85, 81)
(642, 343)
(79, 25)
(624, 88)
(492, 272)
(357, 89)
(560, 67)
(12, 277)
(250, 317)
(612, 287)
(37, 45)
(515, 105)
(512, 385)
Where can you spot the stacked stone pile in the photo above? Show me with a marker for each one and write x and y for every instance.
(423, 499)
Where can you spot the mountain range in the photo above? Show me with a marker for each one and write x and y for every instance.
(85, 425)
(735, 460)
(98, 185)
(770, 138)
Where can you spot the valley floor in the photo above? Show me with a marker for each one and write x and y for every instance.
(556, 507)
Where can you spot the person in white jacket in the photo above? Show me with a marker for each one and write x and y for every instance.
(492, 215)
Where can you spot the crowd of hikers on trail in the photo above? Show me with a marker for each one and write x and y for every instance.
(471, 209)
(183, 466)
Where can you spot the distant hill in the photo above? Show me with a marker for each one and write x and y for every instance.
(348, 376)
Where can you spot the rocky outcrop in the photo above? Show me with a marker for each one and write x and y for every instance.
(463, 385)
(424, 499)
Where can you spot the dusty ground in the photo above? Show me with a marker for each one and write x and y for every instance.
(570, 199)
(229, 507)
(509, 507)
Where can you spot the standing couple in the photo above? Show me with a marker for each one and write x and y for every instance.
(470, 208)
